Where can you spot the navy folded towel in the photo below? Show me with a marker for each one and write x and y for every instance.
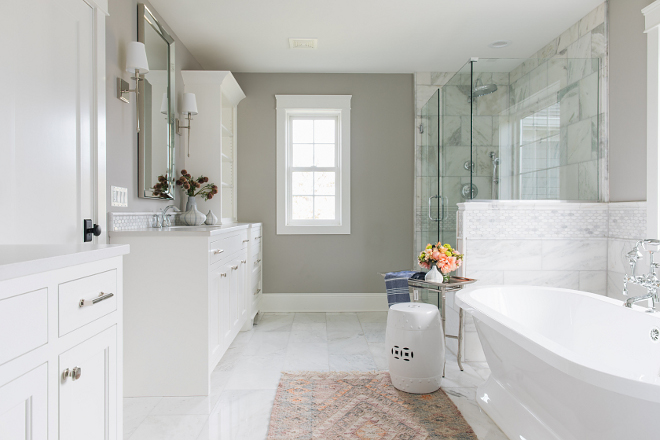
(396, 284)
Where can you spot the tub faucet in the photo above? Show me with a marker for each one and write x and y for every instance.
(649, 281)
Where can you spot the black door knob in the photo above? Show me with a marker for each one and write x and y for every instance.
(90, 229)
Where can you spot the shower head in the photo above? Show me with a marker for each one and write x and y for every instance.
(484, 90)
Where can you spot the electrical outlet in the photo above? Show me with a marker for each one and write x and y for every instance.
(119, 196)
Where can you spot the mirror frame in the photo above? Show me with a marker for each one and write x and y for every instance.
(146, 17)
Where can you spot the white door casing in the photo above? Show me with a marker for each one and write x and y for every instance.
(52, 121)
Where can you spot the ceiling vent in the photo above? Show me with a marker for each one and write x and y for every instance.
(303, 43)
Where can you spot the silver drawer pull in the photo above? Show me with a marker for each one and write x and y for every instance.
(223, 275)
(234, 267)
(257, 237)
(74, 374)
(258, 261)
(258, 290)
(217, 251)
(90, 302)
(243, 261)
(245, 241)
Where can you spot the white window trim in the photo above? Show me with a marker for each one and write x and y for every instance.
(339, 105)
(652, 30)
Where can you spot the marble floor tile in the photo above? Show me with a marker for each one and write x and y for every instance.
(455, 378)
(184, 406)
(374, 331)
(379, 353)
(274, 322)
(267, 343)
(170, 428)
(136, 409)
(240, 415)
(355, 362)
(353, 345)
(309, 317)
(308, 332)
(307, 356)
(372, 316)
(244, 383)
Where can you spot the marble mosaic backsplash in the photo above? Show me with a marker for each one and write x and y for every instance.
(126, 221)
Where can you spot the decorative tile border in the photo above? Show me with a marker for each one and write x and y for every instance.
(534, 220)
(627, 220)
(520, 220)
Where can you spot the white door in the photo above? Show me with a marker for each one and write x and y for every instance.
(24, 406)
(215, 292)
(48, 121)
(88, 401)
(225, 305)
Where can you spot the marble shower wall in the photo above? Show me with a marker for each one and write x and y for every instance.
(577, 81)
(567, 161)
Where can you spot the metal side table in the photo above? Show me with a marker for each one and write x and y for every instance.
(454, 284)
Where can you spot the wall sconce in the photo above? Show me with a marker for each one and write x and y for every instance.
(136, 62)
(189, 108)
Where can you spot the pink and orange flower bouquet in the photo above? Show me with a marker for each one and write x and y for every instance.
(442, 257)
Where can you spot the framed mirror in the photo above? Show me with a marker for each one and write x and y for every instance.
(156, 110)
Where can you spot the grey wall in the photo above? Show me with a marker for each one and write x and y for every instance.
(382, 176)
(122, 163)
(627, 161)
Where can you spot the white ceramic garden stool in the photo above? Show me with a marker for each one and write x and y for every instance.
(416, 347)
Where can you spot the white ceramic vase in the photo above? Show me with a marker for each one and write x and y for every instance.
(192, 217)
(211, 219)
(434, 275)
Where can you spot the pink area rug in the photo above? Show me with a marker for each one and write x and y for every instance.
(339, 405)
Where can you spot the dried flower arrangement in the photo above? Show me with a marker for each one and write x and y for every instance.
(196, 186)
(160, 189)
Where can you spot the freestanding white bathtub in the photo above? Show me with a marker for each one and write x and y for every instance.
(566, 364)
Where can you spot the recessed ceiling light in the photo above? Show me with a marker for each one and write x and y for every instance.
(499, 44)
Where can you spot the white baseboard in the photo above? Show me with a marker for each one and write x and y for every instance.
(323, 302)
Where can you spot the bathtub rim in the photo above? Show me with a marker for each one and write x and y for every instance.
(565, 360)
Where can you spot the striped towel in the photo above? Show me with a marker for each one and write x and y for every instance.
(396, 284)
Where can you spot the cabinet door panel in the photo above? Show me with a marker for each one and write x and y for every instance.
(24, 406)
(233, 293)
(225, 306)
(88, 405)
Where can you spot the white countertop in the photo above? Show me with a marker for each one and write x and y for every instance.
(22, 260)
(180, 231)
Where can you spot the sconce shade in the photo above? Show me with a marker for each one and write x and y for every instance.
(136, 58)
(163, 104)
(189, 104)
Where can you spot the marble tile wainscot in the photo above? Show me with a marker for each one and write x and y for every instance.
(627, 224)
(542, 243)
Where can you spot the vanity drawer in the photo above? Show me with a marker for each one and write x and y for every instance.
(227, 245)
(23, 324)
(86, 299)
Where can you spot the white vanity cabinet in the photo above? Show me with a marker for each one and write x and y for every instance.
(254, 281)
(189, 293)
(60, 361)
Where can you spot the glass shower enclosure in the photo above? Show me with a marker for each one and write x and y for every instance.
(507, 129)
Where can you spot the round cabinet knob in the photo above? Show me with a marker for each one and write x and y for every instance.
(75, 373)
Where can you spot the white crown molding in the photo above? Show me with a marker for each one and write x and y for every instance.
(651, 16)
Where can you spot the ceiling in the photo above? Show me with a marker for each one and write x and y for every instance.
(366, 36)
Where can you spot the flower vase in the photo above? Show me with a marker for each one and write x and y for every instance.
(434, 275)
(211, 218)
(192, 217)
(446, 277)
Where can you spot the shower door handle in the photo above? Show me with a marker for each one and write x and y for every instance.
(445, 207)
(430, 206)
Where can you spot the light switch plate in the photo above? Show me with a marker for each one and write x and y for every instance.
(119, 196)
